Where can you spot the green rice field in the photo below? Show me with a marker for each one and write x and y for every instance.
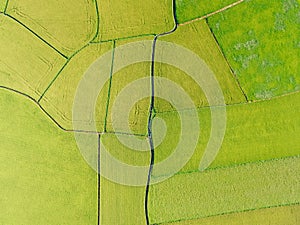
(262, 47)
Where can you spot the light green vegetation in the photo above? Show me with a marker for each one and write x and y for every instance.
(286, 215)
(262, 45)
(26, 63)
(2, 5)
(58, 100)
(187, 10)
(202, 43)
(66, 25)
(258, 131)
(126, 18)
(228, 190)
(124, 79)
(43, 177)
(121, 204)
(126, 154)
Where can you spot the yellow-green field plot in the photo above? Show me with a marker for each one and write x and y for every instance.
(285, 215)
(26, 64)
(197, 38)
(187, 10)
(128, 85)
(43, 177)
(2, 5)
(66, 25)
(215, 192)
(262, 45)
(127, 18)
(122, 204)
(59, 98)
(257, 131)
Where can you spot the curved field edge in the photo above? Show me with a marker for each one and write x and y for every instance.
(284, 215)
(72, 24)
(44, 178)
(255, 132)
(19, 50)
(58, 100)
(262, 47)
(228, 190)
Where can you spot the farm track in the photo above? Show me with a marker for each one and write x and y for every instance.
(213, 13)
(99, 181)
(152, 110)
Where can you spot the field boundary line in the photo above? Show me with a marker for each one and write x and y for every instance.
(110, 84)
(99, 180)
(227, 62)
(36, 35)
(118, 132)
(97, 21)
(229, 213)
(152, 109)
(251, 102)
(122, 38)
(61, 127)
(5, 7)
(60, 71)
(213, 13)
(232, 166)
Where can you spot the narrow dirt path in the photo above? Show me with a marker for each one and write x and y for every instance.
(151, 109)
(213, 13)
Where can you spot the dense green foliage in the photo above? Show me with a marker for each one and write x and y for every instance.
(262, 45)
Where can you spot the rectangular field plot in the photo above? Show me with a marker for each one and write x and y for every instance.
(285, 215)
(262, 46)
(43, 177)
(195, 37)
(126, 18)
(235, 189)
(129, 102)
(122, 204)
(254, 132)
(187, 10)
(26, 64)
